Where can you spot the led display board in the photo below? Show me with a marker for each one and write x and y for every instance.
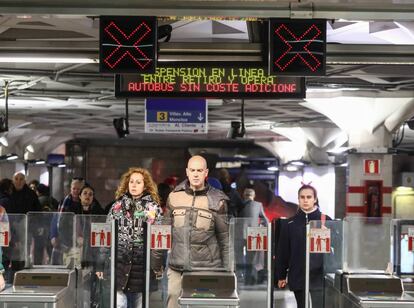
(297, 47)
(128, 44)
(209, 82)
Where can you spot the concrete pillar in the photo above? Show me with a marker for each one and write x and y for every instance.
(369, 184)
(369, 123)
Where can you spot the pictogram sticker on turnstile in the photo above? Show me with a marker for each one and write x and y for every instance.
(320, 240)
(160, 237)
(100, 234)
(4, 234)
(411, 239)
(256, 239)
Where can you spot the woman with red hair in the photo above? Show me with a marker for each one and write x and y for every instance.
(136, 205)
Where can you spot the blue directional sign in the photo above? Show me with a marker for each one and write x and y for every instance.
(165, 115)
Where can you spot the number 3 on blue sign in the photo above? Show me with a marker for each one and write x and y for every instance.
(162, 116)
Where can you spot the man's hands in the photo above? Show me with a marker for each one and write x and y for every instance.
(2, 282)
(281, 283)
(99, 275)
(158, 274)
(55, 242)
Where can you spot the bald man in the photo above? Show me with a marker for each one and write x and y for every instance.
(23, 199)
(197, 213)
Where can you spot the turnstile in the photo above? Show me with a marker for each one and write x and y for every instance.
(41, 288)
(209, 289)
(366, 290)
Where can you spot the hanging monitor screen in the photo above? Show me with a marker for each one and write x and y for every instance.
(297, 47)
(209, 82)
(128, 44)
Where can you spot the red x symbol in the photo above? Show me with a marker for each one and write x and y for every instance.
(122, 40)
(307, 57)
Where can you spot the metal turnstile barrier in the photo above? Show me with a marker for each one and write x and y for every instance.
(209, 289)
(366, 290)
(41, 288)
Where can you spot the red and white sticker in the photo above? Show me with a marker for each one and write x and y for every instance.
(100, 234)
(4, 234)
(256, 239)
(160, 237)
(372, 166)
(411, 239)
(320, 240)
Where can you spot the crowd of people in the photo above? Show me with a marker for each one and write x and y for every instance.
(198, 210)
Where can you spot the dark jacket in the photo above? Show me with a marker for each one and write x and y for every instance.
(291, 252)
(48, 203)
(83, 230)
(200, 229)
(5, 201)
(132, 217)
(252, 211)
(69, 205)
(23, 201)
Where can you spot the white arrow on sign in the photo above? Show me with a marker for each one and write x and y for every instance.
(200, 117)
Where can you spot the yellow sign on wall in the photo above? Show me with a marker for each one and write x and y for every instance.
(162, 116)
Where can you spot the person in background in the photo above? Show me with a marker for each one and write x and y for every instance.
(235, 203)
(23, 199)
(71, 202)
(163, 191)
(87, 201)
(252, 214)
(136, 205)
(88, 254)
(252, 209)
(3, 218)
(291, 251)
(171, 181)
(47, 202)
(60, 234)
(33, 184)
(214, 182)
(200, 230)
(6, 189)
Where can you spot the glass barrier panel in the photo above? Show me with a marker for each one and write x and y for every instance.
(250, 246)
(197, 264)
(403, 247)
(102, 282)
(13, 244)
(367, 244)
(323, 258)
(51, 240)
(159, 244)
(92, 234)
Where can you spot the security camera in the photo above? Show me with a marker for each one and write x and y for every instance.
(121, 127)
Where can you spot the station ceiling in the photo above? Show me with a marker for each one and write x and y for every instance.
(50, 103)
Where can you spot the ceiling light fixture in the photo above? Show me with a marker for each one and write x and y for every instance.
(11, 156)
(273, 168)
(3, 141)
(297, 163)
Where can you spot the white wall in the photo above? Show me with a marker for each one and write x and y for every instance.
(321, 177)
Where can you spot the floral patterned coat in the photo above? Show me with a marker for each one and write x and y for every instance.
(132, 216)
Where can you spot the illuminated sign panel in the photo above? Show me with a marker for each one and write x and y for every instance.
(297, 47)
(128, 44)
(209, 82)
